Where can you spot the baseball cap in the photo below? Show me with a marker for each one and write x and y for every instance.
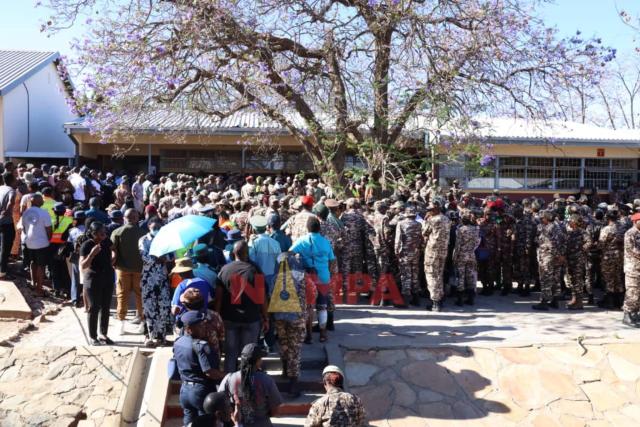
(635, 217)
(191, 318)
(307, 201)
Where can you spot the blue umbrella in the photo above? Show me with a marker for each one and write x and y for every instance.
(180, 233)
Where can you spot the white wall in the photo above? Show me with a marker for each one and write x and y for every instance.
(48, 111)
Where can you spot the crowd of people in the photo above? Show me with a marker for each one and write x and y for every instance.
(82, 234)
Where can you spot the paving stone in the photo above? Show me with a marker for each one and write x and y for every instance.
(523, 385)
(523, 356)
(420, 354)
(624, 369)
(402, 417)
(385, 376)
(628, 351)
(70, 410)
(571, 421)
(632, 411)
(376, 400)
(65, 386)
(586, 375)
(360, 373)
(403, 394)
(603, 396)
(431, 376)
(618, 419)
(573, 354)
(474, 384)
(544, 420)
(581, 409)
(436, 410)
(360, 356)
(389, 357)
(558, 384)
(499, 403)
(428, 396)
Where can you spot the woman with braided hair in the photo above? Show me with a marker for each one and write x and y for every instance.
(253, 393)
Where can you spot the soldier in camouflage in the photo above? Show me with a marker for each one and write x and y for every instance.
(408, 245)
(296, 226)
(611, 242)
(464, 259)
(337, 407)
(593, 274)
(383, 243)
(631, 305)
(576, 260)
(525, 231)
(486, 267)
(550, 241)
(355, 236)
(435, 232)
(505, 236)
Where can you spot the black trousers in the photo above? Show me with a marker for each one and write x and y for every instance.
(7, 236)
(99, 295)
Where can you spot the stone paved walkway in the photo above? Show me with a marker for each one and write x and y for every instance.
(543, 386)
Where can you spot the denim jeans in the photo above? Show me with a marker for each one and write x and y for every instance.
(191, 399)
(237, 335)
(76, 286)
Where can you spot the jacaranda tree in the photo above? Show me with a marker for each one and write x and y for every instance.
(338, 74)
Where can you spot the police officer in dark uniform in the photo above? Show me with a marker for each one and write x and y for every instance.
(198, 364)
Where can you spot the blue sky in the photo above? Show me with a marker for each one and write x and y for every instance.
(20, 21)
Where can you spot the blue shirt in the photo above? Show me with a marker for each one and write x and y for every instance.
(196, 282)
(282, 238)
(203, 271)
(98, 215)
(316, 252)
(194, 358)
(264, 251)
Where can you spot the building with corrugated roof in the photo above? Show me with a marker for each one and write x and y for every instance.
(33, 108)
(529, 157)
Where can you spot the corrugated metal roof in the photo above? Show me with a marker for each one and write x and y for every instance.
(18, 65)
(552, 131)
(195, 122)
(497, 130)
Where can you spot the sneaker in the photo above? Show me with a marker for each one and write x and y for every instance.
(121, 329)
(149, 343)
(140, 329)
(630, 320)
(136, 320)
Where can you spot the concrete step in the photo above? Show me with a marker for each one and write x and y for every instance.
(288, 421)
(309, 380)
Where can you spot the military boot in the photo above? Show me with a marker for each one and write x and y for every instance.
(459, 299)
(415, 300)
(437, 306)
(630, 320)
(294, 390)
(575, 304)
(619, 300)
(330, 325)
(590, 299)
(555, 302)
(607, 302)
(405, 302)
(487, 289)
(284, 369)
(542, 305)
(471, 295)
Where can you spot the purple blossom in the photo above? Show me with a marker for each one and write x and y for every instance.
(372, 3)
(486, 160)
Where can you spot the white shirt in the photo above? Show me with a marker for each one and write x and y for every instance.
(78, 183)
(34, 223)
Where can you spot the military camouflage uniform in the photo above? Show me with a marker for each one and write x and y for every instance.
(383, 243)
(612, 242)
(593, 273)
(291, 327)
(632, 271)
(576, 261)
(550, 242)
(486, 269)
(435, 231)
(296, 226)
(336, 408)
(464, 256)
(334, 235)
(371, 260)
(525, 230)
(354, 247)
(505, 237)
(408, 245)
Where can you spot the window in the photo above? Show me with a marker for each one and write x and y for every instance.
(539, 173)
(596, 173)
(568, 173)
(512, 172)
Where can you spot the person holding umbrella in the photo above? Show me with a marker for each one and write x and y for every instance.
(156, 298)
